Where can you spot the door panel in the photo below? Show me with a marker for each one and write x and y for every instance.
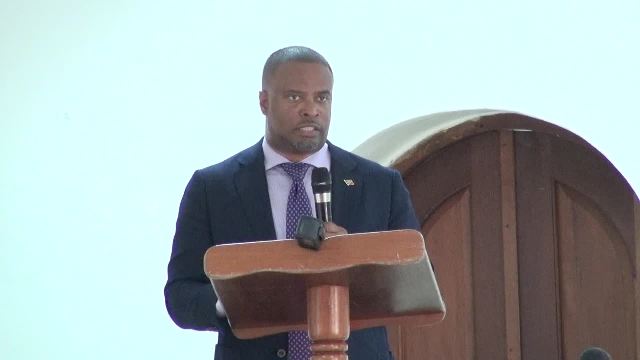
(531, 233)
(576, 251)
(596, 297)
(462, 231)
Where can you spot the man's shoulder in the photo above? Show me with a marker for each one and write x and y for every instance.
(360, 164)
(233, 163)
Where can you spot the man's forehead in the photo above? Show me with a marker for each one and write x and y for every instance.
(293, 72)
(302, 88)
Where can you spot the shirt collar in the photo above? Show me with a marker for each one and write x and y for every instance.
(272, 158)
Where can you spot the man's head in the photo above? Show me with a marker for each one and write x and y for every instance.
(297, 84)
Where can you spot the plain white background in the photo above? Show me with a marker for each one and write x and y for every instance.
(107, 107)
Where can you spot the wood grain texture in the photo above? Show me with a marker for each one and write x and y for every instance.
(596, 306)
(537, 258)
(544, 231)
(263, 286)
(449, 234)
(328, 317)
(235, 260)
(583, 230)
(510, 245)
(487, 254)
(440, 192)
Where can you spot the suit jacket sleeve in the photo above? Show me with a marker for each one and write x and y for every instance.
(402, 213)
(189, 296)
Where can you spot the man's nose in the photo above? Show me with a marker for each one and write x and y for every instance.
(310, 109)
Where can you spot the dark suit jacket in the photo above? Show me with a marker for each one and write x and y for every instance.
(229, 202)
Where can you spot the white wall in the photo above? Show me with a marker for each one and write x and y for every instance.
(107, 107)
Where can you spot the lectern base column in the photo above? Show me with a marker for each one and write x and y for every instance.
(328, 319)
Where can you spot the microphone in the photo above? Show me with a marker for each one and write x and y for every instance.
(595, 353)
(321, 185)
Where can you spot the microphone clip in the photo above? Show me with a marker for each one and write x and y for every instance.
(310, 232)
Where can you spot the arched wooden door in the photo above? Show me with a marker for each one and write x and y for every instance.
(533, 235)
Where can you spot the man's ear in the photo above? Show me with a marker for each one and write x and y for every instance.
(263, 97)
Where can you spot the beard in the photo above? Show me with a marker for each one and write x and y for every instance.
(308, 146)
(296, 145)
(292, 141)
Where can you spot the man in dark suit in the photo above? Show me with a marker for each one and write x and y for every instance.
(244, 198)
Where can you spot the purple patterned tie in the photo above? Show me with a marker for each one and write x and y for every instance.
(297, 205)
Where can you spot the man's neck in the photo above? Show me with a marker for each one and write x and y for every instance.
(273, 157)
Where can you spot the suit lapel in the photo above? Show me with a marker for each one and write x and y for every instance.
(347, 185)
(251, 184)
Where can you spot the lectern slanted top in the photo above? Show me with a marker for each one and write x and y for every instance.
(264, 285)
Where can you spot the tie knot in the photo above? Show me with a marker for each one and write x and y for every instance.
(295, 170)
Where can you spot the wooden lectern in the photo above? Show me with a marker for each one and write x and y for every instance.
(354, 281)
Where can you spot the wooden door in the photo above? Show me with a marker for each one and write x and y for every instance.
(458, 195)
(533, 238)
(577, 251)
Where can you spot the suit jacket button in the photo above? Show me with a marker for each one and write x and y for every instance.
(281, 353)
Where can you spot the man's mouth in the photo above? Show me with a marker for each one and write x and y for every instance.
(309, 128)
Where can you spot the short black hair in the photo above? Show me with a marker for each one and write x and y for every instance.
(290, 54)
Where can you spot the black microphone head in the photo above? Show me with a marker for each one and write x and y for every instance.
(320, 180)
(595, 353)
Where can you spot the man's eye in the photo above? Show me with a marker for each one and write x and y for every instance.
(323, 98)
(293, 97)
